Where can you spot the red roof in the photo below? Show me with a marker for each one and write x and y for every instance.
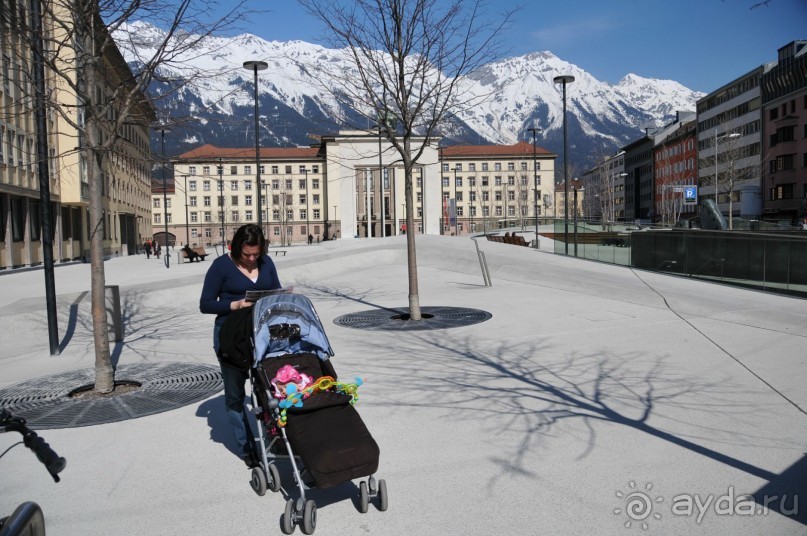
(208, 152)
(520, 149)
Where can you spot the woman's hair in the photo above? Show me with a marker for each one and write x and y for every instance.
(250, 235)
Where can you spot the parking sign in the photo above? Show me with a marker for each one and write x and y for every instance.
(690, 195)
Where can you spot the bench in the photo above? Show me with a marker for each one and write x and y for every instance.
(197, 253)
(276, 251)
(516, 240)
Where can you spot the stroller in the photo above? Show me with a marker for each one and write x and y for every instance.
(304, 414)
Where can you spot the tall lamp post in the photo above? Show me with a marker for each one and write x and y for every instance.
(565, 79)
(535, 131)
(221, 205)
(163, 131)
(256, 66)
(307, 217)
(187, 230)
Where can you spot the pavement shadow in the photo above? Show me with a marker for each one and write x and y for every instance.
(522, 389)
(213, 410)
(782, 493)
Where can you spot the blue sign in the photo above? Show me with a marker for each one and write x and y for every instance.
(690, 195)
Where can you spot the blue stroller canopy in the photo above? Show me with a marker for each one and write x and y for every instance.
(287, 324)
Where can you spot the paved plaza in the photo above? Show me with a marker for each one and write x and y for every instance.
(597, 400)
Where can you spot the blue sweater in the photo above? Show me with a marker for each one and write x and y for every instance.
(225, 283)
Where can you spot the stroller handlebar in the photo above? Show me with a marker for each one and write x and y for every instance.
(54, 463)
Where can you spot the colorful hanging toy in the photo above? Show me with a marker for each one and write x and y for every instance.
(299, 387)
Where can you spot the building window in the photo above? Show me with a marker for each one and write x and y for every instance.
(192, 186)
(206, 201)
(288, 184)
(471, 167)
(206, 186)
(233, 170)
(247, 185)
(445, 166)
(302, 184)
(288, 170)
(315, 199)
(156, 202)
(194, 217)
(314, 168)
(247, 170)
(316, 216)
(315, 184)
(193, 201)
(248, 215)
(205, 170)
(208, 217)
(274, 170)
(192, 170)
(248, 200)
(234, 186)
(234, 200)
(458, 182)
(497, 166)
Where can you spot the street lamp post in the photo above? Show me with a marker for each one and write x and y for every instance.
(307, 216)
(221, 205)
(334, 219)
(163, 131)
(256, 66)
(187, 230)
(535, 131)
(565, 79)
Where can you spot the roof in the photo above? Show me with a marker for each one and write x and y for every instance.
(520, 149)
(210, 152)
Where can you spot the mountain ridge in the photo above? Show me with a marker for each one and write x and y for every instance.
(601, 116)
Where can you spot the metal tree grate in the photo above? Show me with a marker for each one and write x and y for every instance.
(398, 319)
(45, 402)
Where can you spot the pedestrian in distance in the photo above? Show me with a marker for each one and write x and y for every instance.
(310, 239)
(147, 248)
(229, 277)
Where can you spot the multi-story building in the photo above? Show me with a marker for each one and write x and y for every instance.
(784, 101)
(604, 184)
(324, 191)
(729, 146)
(125, 186)
(487, 187)
(639, 191)
(675, 164)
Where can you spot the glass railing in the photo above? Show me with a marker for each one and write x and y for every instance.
(764, 260)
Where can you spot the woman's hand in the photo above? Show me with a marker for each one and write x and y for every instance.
(240, 304)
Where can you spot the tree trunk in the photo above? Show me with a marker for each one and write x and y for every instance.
(414, 298)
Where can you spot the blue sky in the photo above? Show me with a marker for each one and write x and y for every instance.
(702, 44)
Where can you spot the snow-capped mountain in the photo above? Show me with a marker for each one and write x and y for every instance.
(296, 105)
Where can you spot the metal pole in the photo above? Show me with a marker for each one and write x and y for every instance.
(381, 176)
(575, 222)
(565, 79)
(165, 195)
(307, 216)
(716, 168)
(535, 182)
(221, 206)
(187, 230)
(256, 66)
(44, 179)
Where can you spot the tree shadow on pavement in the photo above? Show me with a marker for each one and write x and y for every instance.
(528, 391)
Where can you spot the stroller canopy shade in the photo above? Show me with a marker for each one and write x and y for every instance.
(288, 324)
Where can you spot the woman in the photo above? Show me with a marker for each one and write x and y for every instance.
(226, 283)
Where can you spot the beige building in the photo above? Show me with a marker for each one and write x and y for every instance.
(126, 183)
(490, 187)
(324, 191)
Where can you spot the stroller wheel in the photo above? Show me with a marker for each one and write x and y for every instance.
(309, 517)
(274, 478)
(364, 497)
(258, 481)
(288, 518)
(383, 498)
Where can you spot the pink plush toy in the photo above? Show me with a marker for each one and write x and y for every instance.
(289, 375)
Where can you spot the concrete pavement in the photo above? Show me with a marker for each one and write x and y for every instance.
(597, 400)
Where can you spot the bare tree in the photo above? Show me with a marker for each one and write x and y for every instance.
(409, 59)
(92, 90)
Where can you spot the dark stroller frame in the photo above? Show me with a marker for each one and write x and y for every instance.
(276, 332)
